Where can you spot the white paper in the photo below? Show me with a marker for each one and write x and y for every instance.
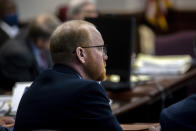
(18, 92)
(176, 64)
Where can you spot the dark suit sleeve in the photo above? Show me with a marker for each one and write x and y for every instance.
(172, 124)
(180, 116)
(95, 109)
(3, 37)
(166, 123)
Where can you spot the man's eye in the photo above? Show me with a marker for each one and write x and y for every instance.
(100, 48)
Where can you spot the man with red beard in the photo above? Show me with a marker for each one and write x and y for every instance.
(68, 96)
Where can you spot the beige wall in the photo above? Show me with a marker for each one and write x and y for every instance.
(185, 4)
(121, 5)
(133, 6)
(31, 8)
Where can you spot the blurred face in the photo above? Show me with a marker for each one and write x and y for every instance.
(89, 11)
(96, 61)
(9, 7)
(43, 44)
(8, 12)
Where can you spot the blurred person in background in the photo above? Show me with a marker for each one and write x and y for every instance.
(61, 12)
(23, 59)
(78, 10)
(8, 21)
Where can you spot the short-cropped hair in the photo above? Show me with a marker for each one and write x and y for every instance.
(43, 26)
(66, 38)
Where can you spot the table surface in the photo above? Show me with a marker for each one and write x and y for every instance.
(123, 102)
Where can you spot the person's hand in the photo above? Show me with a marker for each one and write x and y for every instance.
(6, 121)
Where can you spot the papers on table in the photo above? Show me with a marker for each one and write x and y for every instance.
(18, 92)
(9, 103)
(160, 65)
(5, 104)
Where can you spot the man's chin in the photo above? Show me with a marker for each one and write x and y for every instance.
(102, 77)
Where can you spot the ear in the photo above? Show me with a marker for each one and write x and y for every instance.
(81, 55)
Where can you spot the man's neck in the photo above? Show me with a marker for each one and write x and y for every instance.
(79, 69)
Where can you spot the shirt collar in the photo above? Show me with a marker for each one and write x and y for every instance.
(11, 31)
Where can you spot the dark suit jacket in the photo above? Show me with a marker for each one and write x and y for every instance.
(17, 62)
(60, 99)
(180, 116)
(3, 37)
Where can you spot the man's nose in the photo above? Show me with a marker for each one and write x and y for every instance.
(105, 57)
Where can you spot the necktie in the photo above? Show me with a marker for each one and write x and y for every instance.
(43, 60)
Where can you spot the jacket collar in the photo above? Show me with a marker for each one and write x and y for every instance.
(66, 69)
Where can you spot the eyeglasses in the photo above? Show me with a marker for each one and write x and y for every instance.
(103, 48)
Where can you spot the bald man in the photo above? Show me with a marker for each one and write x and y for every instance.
(69, 96)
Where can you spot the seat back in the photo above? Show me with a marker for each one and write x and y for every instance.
(176, 44)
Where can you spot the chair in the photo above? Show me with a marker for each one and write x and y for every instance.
(176, 44)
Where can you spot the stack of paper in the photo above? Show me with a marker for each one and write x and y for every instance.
(18, 91)
(155, 65)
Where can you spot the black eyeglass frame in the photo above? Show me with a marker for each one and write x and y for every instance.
(96, 46)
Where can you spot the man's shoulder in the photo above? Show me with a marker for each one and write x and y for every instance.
(179, 116)
(66, 79)
(188, 103)
(183, 111)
